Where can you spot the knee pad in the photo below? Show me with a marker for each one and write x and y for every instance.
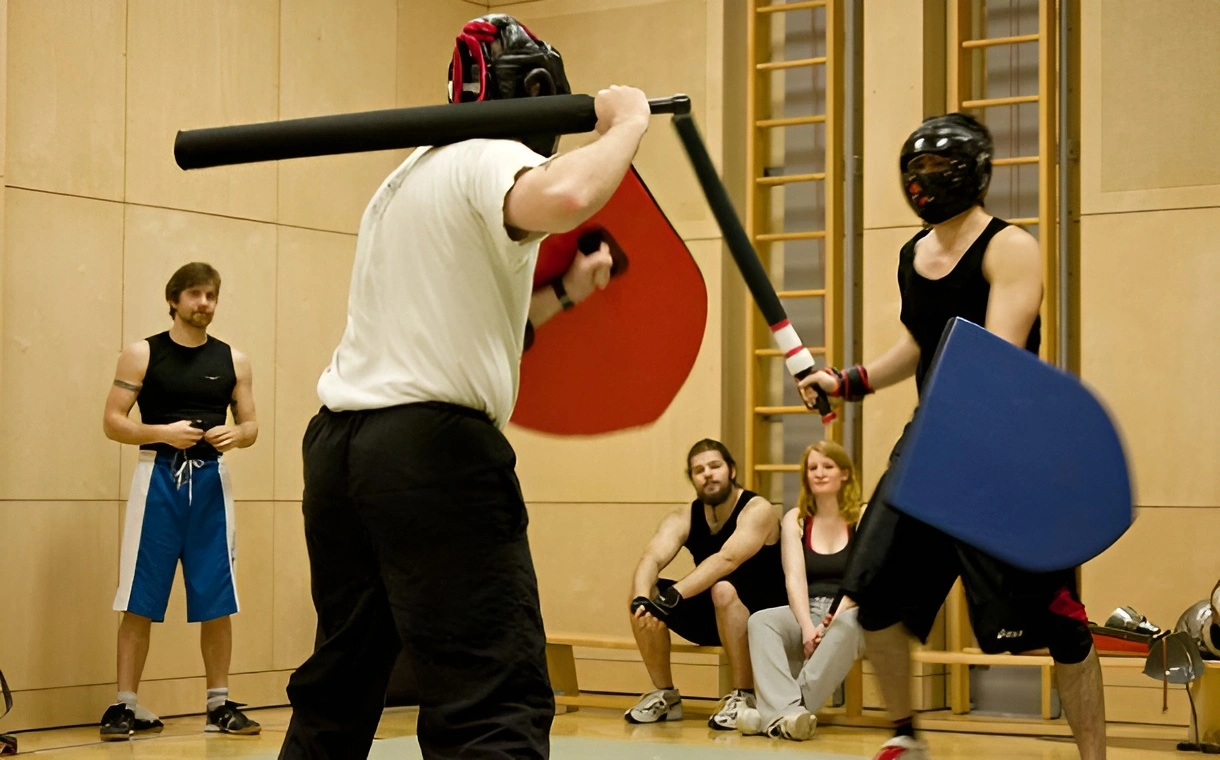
(1070, 641)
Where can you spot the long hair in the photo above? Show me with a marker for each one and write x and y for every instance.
(707, 444)
(849, 494)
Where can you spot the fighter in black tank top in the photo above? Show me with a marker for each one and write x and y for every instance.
(762, 571)
(928, 305)
(187, 383)
(901, 569)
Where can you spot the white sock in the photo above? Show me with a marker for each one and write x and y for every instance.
(217, 697)
(143, 713)
(127, 698)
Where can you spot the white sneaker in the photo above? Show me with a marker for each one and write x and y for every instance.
(725, 718)
(903, 748)
(797, 728)
(662, 704)
(749, 721)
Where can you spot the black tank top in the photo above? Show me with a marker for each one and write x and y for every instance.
(928, 305)
(187, 383)
(824, 572)
(764, 569)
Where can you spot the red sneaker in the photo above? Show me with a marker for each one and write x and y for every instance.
(903, 748)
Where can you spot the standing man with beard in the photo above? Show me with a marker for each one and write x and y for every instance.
(733, 536)
(181, 502)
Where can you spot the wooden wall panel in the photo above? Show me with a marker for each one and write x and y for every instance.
(67, 90)
(886, 413)
(1146, 300)
(63, 563)
(194, 65)
(672, 33)
(1149, 79)
(313, 275)
(1163, 564)
(893, 107)
(62, 308)
(295, 622)
(426, 35)
(335, 58)
(585, 556)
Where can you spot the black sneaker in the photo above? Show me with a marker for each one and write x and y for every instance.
(153, 726)
(118, 722)
(228, 719)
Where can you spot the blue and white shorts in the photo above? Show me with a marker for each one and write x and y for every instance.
(179, 509)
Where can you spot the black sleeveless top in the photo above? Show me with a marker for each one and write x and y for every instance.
(764, 569)
(928, 305)
(824, 572)
(187, 383)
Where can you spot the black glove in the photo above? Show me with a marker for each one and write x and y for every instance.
(660, 606)
(853, 383)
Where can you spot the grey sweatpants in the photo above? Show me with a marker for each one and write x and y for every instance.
(784, 683)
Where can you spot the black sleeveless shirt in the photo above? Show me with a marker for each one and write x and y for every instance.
(762, 571)
(928, 305)
(187, 383)
(824, 572)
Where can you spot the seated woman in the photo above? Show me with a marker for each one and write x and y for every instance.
(798, 663)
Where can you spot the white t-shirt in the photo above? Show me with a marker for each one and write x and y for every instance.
(440, 294)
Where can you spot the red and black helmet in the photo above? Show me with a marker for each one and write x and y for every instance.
(496, 58)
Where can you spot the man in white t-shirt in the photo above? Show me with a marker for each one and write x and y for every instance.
(414, 519)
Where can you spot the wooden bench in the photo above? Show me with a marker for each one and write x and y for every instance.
(959, 684)
(561, 663)
(1206, 693)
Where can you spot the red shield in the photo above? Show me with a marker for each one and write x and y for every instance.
(617, 360)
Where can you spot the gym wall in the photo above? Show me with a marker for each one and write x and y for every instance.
(96, 216)
(1150, 208)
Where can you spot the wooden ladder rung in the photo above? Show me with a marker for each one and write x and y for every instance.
(764, 410)
(784, 7)
(994, 102)
(989, 42)
(1024, 221)
(793, 121)
(772, 352)
(777, 468)
(789, 179)
(801, 293)
(795, 64)
(1015, 160)
(779, 237)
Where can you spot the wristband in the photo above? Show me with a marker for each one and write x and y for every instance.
(562, 293)
(853, 383)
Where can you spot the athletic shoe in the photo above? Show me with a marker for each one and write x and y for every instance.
(655, 706)
(725, 718)
(118, 722)
(227, 719)
(903, 748)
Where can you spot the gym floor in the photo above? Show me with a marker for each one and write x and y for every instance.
(587, 733)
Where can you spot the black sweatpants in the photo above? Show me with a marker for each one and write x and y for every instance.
(416, 531)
